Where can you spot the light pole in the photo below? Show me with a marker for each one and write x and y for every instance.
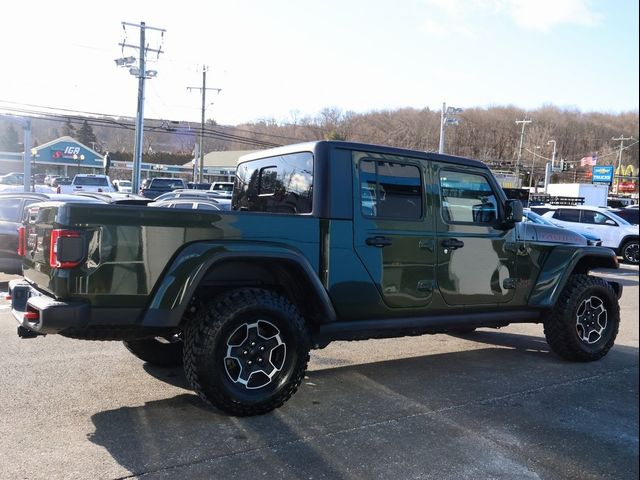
(533, 167)
(553, 155)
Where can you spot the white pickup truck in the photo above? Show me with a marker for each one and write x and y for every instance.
(88, 183)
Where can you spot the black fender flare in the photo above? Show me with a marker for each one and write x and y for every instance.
(180, 279)
(564, 261)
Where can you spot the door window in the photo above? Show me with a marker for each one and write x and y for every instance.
(467, 198)
(390, 190)
(593, 217)
(567, 215)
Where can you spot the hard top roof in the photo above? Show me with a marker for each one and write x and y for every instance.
(381, 149)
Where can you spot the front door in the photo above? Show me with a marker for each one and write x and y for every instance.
(474, 265)
(393, 228)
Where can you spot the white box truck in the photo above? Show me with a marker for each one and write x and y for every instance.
(594, 194)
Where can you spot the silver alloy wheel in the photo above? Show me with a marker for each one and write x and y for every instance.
(591, 320)
(630, 252)
(255, 354)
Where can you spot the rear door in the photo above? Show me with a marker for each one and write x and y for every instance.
(393, 227)
(594, 222)
(472, 254)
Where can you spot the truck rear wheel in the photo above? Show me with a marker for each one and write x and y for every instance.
(584, 323)
(157, 351)
(246, 351)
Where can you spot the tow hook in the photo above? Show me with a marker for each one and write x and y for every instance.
(24, 332)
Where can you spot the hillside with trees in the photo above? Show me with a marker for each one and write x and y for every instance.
(488, 134)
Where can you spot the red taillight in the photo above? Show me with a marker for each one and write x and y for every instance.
(57, 235)
(31, 315)
(22, 241)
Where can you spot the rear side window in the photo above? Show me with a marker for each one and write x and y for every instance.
(166, 183)
(467, 198)
(390, 190)
(9, 209)
(282, 184)
(567, 215)
(91, 181)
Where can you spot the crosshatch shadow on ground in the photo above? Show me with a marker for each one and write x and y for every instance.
(454, 401)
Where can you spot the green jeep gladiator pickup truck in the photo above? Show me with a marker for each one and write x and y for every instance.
(325, 241)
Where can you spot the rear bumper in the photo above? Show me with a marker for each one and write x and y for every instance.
(42, 314)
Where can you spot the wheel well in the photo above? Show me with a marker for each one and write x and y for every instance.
(626, 239)
(281, 275)
(588, 263)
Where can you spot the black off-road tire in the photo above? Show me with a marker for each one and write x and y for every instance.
(219, 344)
(629, 251)
(585, 300)
(156, 351)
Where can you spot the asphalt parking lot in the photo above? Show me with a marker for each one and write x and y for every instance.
(495, 404)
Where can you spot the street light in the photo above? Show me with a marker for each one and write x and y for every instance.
(553, 155)
(447, 118)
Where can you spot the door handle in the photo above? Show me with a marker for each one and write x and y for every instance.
(378, 241)
(452, 243)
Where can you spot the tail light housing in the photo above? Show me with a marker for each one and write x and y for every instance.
(58, 190)
(66, 248)
(22, 241)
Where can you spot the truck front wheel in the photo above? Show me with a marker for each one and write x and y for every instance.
(585, 320)
(246, 351)
(157, 351)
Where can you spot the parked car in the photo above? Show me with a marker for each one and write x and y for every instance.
(529, 215)
(239, 298)
(224, 189)
(187, 204)
(59, 181)
(198, 186)
(615, 232)
(87, 182)
(12, 207)
(123, 186)
(38, 178)
(159, 185)
(116, 197)
(223, 203)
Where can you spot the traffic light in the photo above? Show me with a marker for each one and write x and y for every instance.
(564, 166)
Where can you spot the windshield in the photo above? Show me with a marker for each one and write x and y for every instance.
(166, 183)
(124, 183)
(224, 187)
(533, 217)
(618, 219)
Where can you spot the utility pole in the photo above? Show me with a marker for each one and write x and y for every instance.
(524, 124)
(622, 139)
(142, 73)
(203, 89)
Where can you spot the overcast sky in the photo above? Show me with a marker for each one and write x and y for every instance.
(277, 59)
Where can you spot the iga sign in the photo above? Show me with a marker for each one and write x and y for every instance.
(69, 152)
(602, 174)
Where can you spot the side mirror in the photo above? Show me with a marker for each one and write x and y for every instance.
(512, 211)
(610, 222)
